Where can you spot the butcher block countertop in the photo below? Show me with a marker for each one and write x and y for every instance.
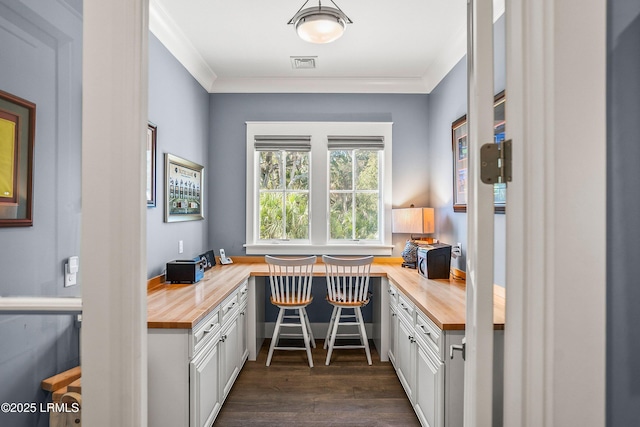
(182, 306)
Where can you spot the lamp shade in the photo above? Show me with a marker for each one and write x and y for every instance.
(320, 24)
(413, 220)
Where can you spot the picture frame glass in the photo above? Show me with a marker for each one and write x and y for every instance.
(151, 164)
(17, 136)
(184, 189)
(459, 137)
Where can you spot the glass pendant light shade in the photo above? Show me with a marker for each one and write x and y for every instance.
(320, 24)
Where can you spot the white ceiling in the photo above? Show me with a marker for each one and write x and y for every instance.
(404, 46)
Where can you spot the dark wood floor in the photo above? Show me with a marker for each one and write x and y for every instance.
(289, 393)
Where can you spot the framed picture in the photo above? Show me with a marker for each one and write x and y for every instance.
(17, 134)
(183, 189)
(460, 144)
(152, 131)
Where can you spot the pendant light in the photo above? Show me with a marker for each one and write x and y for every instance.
(320, 24)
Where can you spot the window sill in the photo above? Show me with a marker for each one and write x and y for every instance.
(302, 249)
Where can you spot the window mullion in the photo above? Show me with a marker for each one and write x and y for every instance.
(353, 194)
(283, 185)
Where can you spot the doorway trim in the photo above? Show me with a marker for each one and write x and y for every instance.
(113, 236)
(556, 285)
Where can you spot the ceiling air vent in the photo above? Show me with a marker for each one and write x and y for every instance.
(303, 62)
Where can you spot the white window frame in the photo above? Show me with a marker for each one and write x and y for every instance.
(283, 145)
(318, 243)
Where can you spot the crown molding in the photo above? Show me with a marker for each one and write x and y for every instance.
(319, 85)
(170, 35)
(453, 52)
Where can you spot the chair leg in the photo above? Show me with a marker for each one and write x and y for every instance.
(276, 332)
(306, 336)
(363, 334)
(333, 316)
(308, 325)
(334, 332)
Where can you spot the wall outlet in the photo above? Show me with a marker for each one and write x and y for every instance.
(180, 246)
(456, 250)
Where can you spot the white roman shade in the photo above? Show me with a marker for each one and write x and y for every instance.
(282, 142)
(352, 142)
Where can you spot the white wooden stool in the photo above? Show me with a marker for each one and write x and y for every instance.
(290, 280)
(347, 288)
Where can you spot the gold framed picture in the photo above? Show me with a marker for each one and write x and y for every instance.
(17, 135)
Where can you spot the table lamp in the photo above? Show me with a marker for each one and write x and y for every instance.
(412, 221)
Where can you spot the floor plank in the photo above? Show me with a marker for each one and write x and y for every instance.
(348, 392)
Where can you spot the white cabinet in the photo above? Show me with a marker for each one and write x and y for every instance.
(405, 357)
(234, 348)
(429, 395)
(203, 371)
(229, 351)
(393, 323)
(418, 350)
(243, 340)
(432, 380)
(191, 371)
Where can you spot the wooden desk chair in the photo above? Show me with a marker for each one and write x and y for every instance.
(290, 280)
(347, 288)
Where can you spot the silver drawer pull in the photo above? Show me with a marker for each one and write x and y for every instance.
(461, 348)
(424, 330)
(210, 328)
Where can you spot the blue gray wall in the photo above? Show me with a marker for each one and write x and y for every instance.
(447, 103)
(623, 211)
(179, 107)
(41, 61)
(227, 156)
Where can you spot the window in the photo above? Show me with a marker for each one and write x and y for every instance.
(283, 187)
(318, 188)
(354, 187)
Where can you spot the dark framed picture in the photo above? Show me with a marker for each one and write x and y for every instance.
(17, 136)
(184, 185)
(152, 131)
(459, 140)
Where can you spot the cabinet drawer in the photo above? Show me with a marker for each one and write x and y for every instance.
(228, 307)
(429, 333)
(243, 292)
(206, 329)
(393, 295)
(406, 309)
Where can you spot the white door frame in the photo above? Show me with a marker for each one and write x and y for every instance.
(113, 238)
(478, 378)
(555, 294)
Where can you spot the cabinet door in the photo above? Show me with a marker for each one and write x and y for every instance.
(205, 398)
(405, 357)
(243, 342)
(393, 334)
(429, 387)
(229, 347)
